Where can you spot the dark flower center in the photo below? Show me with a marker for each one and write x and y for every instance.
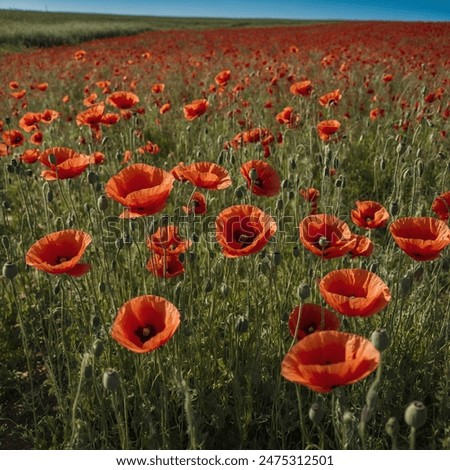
(146, 332)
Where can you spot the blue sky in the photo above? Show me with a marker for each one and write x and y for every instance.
(410, 10)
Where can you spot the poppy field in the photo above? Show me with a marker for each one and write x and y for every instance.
(230, 238)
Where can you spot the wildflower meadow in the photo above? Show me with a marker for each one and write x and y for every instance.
(227, 238)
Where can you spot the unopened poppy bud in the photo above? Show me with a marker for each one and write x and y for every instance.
(253, 174)
(400, 148)
(102, 203)
(98, 348)
(373, 267)
(366, 414)
(339, 183)
(264, 267)
(208, 286)
(277, 258)
(348, 417)
(52, 159)
(195, 237)
(285, 184)
(394, 208)
(392, 427)
(181, 257)
(86, 207)
(416, 414)
(380, 339)
(49, 195)
(10, 168)
(290, 195)
(296, 251)
(382, 164)
(119, 243)
(316, 413)
(418, 273)
(292, 164)
(92, 177)
(111, 380)
(6, 205)
(239, 192)
(10, 270)
(279, 204)
(95, 321)
(86, 366)
(304, 291)
(371, 398)
(224, 290)
(241, 325)
(192, 256)
(406, 284)
(127, 239)
(419, 167)
(5, 242)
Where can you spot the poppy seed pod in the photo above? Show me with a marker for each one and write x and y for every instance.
(416, 414)
(380, 339)
(111, 380)
(241, 325)
(253, 174)
(10, 270)
(316, 413)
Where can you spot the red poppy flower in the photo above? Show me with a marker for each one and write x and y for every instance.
(19, 94)
(13, 138)
(167, 241)
(143, 189)
(287, 117)
(69, 163)
(60, 253)
(329, 359)
(326, 236)
(330, 99)
(150, 148)
(28, 122)
(79, 55)
(311, 318)
(164, 108)
(327, 129)
(262, 179)
(303, 88)
(355, 292)
(310, 194)
(123, 99)
(206, 175)
(177, 172)
(145, 323)
(158, 87)
(223, 77)
(30, 156)
(441, 205)
(195, 109)
(92, 117)
(37, 138)
(165, 266)
(376, 113)
(369, 214)
(49, 115)
(243, 230)
(197, 204)
(422, 238)
(363, 247)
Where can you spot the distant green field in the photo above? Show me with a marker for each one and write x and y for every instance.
(43, 29)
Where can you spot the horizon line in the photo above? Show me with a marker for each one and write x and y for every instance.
(253, 18)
